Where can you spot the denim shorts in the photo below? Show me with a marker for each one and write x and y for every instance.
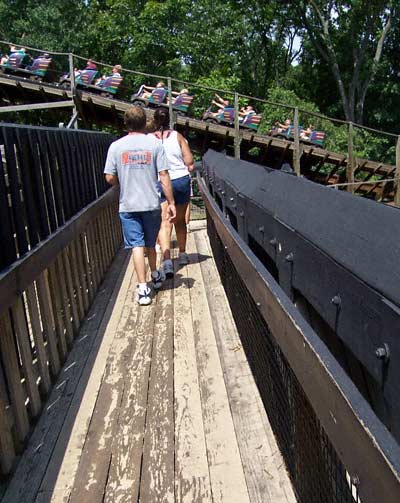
(140, 228)
(180, 188)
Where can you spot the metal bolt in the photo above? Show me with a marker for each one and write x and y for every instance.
(222, 192)
(261, 229)
(231, 199)
(289, 257)
(273, 241)
(336, 300)
(241, 213)
(383, 353)
(258, 304)
(355, 480)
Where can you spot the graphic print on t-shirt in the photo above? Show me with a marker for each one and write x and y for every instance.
(136, 159)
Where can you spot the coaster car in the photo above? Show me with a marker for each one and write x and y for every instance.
(225, 116)
(41, 68)
(156, 98)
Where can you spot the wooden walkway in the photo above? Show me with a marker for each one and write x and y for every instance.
(155, 404)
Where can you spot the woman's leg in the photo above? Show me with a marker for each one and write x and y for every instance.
(180, 226)
(164, 236)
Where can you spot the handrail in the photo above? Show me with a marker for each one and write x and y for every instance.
(191, 84)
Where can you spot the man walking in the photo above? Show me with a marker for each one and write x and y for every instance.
(135, 161)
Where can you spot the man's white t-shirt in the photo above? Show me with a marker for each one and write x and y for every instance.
(137, 159)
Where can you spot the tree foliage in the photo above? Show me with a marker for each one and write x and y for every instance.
(339, 56)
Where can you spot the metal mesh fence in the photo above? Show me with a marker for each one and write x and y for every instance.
(315, 469)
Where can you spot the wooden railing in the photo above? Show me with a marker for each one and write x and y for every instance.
(44, 296)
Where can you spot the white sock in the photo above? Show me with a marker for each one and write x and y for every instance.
(142, 287)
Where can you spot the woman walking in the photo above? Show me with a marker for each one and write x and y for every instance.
(180, 163)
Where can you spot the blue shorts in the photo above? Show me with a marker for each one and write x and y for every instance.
(181, 190)
(140, 228)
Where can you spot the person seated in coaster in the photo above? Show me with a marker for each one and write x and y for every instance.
(246, 112)
(115, 72)
(282, 128)
(306, 133)
(90, 65)
(176, 94)
(221, 104)
(146, 91)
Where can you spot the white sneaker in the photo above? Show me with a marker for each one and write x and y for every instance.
(157, 278)
(183, 258)
(168, 268)
(143, 298)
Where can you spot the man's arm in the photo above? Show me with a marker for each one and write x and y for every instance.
(112, 179)
(169, 196)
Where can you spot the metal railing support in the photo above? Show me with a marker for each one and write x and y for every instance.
(397, 174)
(73, 88)
(296, 147)
(237, 139)
(170, 108)
(350, 159)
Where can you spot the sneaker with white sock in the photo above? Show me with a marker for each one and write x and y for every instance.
(143, 296)
(183, 258)
(157, 278)
(168, 268)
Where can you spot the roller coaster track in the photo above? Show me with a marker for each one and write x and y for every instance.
(320, 165)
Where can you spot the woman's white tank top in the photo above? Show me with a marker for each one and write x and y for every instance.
(177, 168)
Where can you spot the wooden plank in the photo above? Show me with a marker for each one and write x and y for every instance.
(13, 377)
(57, 312)
(265, 472)
(96, 461)
(157, 481)
(126, 464)
(66, 303)
(25, 351)
(7, 451)
(76, 279)
(192, 478)
(48, 446)
(46, 311)
(82, 272)
(70, 289)
(228, 482)
(37, 334)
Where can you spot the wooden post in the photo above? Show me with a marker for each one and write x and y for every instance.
(397, 174)
(237, 133)
(73, 85)
(296, 149)
(171, 110)
(350, 159)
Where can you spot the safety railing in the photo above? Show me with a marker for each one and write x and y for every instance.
(60, 234)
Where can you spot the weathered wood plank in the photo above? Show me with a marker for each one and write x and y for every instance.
(192, 478)
(127, 448)
(105, 427)
(24, 345)
(266, 476)
(37, 334)
(48, 444)
(228, 482)
(55, 292)
(7, 451)
(157, 481)
(46, 312)
(70, 290)
(13, 377)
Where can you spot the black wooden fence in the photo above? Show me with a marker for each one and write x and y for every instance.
(47, 175)
(315, 299)
(59, 234)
